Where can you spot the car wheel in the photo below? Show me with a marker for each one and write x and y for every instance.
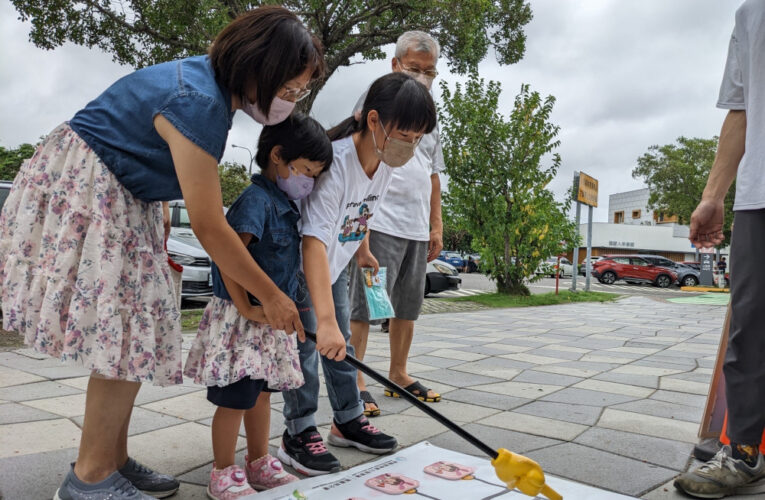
(663, 281)
(608, 278)
(690, 280)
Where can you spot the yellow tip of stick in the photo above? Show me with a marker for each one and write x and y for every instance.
(520, 472)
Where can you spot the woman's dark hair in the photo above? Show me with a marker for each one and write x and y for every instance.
(299, 136)
(401, 102)
(265, 48)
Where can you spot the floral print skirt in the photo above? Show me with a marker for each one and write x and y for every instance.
(228, 347)
(83, 270)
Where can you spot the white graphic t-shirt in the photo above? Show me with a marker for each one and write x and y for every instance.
(342, 204)
(406, 211)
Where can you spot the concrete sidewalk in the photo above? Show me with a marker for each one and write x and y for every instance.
(609, 395)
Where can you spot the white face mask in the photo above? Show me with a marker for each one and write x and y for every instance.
(280, 110)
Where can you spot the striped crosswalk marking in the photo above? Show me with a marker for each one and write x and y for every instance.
(465, 292)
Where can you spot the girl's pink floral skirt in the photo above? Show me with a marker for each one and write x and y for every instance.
(228, 347)
(83, 270)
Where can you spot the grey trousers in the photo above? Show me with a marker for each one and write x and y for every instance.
(745, 359)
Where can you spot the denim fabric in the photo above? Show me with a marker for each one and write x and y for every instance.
(301, 404)
(264, 211)
(119, 124)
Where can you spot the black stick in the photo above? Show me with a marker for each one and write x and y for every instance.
(416, 402)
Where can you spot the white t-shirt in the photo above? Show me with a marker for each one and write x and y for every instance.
(405, 212)
(342, 204)
(743, 88)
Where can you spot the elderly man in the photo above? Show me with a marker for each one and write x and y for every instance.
(406, 234)
(739, 468)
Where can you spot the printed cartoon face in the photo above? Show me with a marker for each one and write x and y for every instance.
(449, 470)
(392, 484)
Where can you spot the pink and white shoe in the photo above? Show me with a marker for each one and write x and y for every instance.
(228, 484)
(266, 473)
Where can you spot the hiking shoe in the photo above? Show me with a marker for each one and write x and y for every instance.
(150, 482)
(307, 453)
(723, 476)
(361, 434)
(266, 473)
(228, 484)
(114, 487)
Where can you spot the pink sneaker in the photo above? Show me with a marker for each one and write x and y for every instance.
(266, 473)
(228, 484)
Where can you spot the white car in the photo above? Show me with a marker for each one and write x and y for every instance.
(184, 248)
(583, 269)
(550, 266)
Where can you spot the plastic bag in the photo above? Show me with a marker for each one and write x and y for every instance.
(376, 292)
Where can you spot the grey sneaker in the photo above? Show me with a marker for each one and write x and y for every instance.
(114, 487)
(723, 475)
(150, 482)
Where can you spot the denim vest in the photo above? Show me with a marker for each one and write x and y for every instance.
(264, 211)
(119, 124)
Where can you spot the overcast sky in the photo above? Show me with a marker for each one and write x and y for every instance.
(626, 75)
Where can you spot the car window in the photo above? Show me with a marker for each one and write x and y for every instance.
(184, 219)
(621, 260)
(638, 262)
(564, 261)
(664, 262)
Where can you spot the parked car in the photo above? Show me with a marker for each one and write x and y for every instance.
(632, 268)
(185, 249)
(583, 268)
(551, 267)
(692, 263)
(441, 276)
(686, 275)
(453, 258)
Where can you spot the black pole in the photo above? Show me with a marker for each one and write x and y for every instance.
(416, 402)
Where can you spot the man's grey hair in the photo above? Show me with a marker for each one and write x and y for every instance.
(418, 41)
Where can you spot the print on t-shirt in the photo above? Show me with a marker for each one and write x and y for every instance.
(356, 229)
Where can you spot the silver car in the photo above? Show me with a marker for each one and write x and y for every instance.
(185, 249)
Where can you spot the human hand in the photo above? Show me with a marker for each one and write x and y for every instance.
(366, 259)
(435, 245)
(707, 224)
(330, 342)
(256, 314)
(282, 314)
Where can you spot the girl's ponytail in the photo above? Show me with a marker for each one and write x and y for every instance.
(400, 101)
(343, 129)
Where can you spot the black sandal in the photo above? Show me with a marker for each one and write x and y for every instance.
(418, 390)
(368, 399)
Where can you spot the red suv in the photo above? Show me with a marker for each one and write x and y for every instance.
(632, 268)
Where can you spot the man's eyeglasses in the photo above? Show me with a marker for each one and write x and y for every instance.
(413, 72)
(294, 95)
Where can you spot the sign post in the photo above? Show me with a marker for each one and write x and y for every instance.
(576, 247)
(586, 193)
(707, 277)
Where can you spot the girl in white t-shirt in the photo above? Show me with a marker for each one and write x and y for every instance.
(397, 112)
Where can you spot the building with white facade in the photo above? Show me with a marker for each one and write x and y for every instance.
(633, 228)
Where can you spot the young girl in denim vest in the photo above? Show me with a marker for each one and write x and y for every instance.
(396, 113)
(236, 353)
(83, 270)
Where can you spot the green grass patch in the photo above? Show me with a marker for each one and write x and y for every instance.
(190, 318)
(543, 299)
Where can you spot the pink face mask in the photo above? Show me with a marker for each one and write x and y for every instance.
(280, 110)
(297, 186)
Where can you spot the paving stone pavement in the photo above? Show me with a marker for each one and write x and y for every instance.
(609, 395)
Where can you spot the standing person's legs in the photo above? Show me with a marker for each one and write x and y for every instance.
(745, 358)
(739, 468)
(407, 296)
(103, 446)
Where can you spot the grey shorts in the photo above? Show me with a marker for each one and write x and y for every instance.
(406, 262)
